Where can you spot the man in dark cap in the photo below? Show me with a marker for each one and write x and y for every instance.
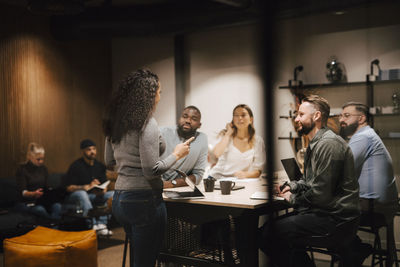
(82, 177)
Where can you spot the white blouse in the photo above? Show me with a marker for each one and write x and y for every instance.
(232, 160)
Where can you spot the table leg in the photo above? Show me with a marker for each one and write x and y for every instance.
(247, 243)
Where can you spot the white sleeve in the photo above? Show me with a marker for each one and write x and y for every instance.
(259, 155)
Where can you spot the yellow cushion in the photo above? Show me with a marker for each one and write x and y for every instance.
(48, 247)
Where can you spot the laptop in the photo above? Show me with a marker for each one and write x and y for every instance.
(292, 169)
(195, 194)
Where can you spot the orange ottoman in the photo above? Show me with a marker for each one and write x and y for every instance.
(48, 247)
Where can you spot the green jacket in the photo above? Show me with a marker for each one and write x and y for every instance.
(329, 185)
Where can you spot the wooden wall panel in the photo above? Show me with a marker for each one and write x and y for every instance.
(51, 92)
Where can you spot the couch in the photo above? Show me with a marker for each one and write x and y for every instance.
(13, 222)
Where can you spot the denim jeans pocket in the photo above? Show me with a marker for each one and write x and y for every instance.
(139, 212)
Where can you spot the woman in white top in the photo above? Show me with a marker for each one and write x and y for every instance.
(240, 152)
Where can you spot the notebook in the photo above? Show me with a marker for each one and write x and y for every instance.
(195, 194)
(292, 169)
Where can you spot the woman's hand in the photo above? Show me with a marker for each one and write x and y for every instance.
(229, 129)
(240, 174)
(181, 150)
(38, 193)
(247, 174)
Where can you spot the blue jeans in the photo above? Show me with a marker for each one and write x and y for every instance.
(144, 217)
(41, 211)
(86, 201)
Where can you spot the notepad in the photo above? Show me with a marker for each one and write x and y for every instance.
(100, 186)
(263, 195)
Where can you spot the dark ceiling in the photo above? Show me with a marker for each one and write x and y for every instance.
(115, 18)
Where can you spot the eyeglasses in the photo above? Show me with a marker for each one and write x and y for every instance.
(347, 115)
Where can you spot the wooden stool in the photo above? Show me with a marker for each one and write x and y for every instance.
(48, 247)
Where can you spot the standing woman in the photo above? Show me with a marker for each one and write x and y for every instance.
(240, 152)
(32, 179)
(134, 145)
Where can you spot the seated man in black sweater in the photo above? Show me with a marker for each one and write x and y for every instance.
(83, 175)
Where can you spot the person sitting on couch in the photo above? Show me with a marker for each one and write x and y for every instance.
(83, 175)
(32, 181)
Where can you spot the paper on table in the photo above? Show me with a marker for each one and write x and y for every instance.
(263, 195)
(235, 179)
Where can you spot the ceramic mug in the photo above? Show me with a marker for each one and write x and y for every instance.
(226, 187)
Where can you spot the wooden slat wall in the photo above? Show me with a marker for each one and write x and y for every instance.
(51, 92)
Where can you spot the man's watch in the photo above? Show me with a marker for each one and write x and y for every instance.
(173, 182)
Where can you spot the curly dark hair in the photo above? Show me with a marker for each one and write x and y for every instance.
(131, 104)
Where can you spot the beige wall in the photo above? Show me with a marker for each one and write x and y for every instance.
(224, 72)
(156, 53)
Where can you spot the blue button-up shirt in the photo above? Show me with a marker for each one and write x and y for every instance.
(373, 166)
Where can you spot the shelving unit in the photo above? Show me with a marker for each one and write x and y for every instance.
(373, 93)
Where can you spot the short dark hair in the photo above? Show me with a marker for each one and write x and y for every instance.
(320, 104)
(364, 109)
(193, 107)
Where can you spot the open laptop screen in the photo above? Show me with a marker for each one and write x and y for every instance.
(292, 169)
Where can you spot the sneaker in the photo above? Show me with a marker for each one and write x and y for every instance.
(100, 226)
(105, 232)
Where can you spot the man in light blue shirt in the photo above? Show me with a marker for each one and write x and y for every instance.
(373, 167)
(372, 161)
(195, 162)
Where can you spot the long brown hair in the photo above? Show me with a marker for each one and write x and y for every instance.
(251, 130)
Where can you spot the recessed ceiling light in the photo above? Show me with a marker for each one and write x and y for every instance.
(341, 12)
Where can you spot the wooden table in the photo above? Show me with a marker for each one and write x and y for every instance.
(216, 206)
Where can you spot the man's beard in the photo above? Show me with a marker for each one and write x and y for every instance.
(306, 129)
(186, 133)
(346, 131)
(91, 156)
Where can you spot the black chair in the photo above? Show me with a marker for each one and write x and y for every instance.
(335, 244)
(371, 222)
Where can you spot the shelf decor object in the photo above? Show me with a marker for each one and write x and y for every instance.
(335, 71)
(295, 82)
(371, 77)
